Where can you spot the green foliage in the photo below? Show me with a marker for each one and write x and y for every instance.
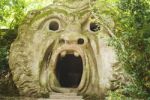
(133, 34)
(6, 38)
(11, 13)
(132, 42)
(117, 96)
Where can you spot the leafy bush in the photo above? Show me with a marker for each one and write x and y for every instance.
(11, 15)
(6, 38)
(133, 32)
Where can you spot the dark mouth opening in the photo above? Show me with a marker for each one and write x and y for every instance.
(69, 70)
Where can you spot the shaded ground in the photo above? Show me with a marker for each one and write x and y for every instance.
(18, 98)
(8, 90)
(7, 87)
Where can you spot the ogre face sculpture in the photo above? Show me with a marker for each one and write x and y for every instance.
(61, 48)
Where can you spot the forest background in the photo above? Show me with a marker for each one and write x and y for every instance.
(131, 38)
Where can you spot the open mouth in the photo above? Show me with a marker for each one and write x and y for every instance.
(66, 69)
(69, 69)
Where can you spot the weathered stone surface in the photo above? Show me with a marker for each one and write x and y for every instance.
(62, 48)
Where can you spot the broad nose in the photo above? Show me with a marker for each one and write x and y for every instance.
(73, 39)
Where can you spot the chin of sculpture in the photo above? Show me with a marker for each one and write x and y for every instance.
(62, 48)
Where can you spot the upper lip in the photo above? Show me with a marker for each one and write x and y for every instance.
(67, 49)
(63, 53)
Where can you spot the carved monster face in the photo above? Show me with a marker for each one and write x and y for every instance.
(61, 49)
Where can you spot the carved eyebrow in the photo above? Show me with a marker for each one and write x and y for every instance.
(82, 10)
(83, 13)
(48, 18)
(49, 14)
(49, 11)
(84, 18)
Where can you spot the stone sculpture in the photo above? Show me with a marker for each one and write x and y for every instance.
(62, 48)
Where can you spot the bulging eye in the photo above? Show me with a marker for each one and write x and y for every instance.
(94, 26)
(54, 25)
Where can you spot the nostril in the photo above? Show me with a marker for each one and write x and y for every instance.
(61, 41)
(80, 41)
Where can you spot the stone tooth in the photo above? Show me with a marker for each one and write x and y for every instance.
(76, 54)
(63, 54)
